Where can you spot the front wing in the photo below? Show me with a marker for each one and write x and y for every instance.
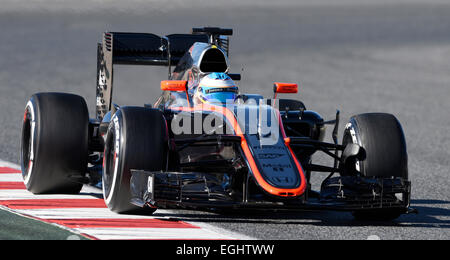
(198, 190)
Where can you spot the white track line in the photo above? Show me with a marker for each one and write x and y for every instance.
(82, 213)
(152, 233)
(9, 164)
(16, 177)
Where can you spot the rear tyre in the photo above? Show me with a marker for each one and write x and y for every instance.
(54, 147)
(136, 139)
(385, 155)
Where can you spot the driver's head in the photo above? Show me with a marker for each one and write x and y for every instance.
(216, 88)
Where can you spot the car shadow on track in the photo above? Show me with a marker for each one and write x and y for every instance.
(431, 214)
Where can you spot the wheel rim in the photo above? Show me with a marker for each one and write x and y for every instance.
(348, 138)
(109, 164)
(27, 147)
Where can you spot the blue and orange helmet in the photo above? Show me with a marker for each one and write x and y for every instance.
(216, 88)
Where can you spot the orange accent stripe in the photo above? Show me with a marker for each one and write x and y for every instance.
(248, 154)
(287, 141)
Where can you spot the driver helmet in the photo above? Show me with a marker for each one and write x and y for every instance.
(216, 88)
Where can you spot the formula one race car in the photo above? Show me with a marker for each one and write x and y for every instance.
(204, 145)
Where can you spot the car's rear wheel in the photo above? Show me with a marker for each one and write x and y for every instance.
(136, 139)
(385, 156)
(54, 147)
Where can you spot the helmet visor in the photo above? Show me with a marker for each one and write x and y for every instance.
(219, 95)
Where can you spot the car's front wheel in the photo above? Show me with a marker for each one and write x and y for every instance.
(136, 139)
(383, 142)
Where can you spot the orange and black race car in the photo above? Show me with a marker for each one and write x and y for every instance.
(205, 145)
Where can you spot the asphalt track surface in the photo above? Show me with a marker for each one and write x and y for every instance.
(356, 56)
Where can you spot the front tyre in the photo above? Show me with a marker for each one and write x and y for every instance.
(385, 155)
(136, 139)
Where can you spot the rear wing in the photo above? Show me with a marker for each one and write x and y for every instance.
(147, 48)
(136, 49)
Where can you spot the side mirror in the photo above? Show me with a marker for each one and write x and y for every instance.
(279, 87)
(174, 85)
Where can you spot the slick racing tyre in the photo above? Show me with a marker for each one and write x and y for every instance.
(382, 139)
(385, 156)
(136, 139)
(54, 147)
